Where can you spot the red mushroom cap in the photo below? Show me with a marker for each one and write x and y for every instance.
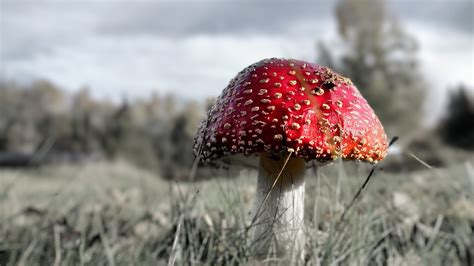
(279, 105)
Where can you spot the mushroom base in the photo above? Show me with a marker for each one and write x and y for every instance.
(279, 209)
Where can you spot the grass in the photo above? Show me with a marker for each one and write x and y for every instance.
(115, 214)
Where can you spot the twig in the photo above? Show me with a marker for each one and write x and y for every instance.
(392, 141)
(356, 195)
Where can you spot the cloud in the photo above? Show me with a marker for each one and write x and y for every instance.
(193, 48)
(455, 14)
(447, 60)
(178, 18)
(36, 27)
(196, 66)
(32, 28)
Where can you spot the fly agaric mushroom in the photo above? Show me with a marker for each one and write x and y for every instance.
(288, 112)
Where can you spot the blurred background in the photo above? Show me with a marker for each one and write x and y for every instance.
(101, 80)
(124, 84)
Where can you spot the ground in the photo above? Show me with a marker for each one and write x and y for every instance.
(112, 213)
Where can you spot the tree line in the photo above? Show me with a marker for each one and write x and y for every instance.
(46, 125)
(42, 121)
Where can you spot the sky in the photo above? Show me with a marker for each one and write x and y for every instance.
(193, 48)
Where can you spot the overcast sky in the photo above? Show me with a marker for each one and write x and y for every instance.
(193, 48)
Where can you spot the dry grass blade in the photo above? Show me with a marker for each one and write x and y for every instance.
(257, 213)
(57, 245)
(28, 251)
(470, 175)
(105, 242)
(43, 149)
(420, 160)
(174, 248)
(434, 232)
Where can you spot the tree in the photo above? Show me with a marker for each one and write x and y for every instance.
(177, 149)
(380, 58)
(28, 115)
(457, 127)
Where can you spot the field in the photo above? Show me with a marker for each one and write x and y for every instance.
(116, 214)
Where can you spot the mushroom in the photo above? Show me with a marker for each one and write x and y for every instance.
(288, 112)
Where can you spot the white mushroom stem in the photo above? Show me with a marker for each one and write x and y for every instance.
(279, 208)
